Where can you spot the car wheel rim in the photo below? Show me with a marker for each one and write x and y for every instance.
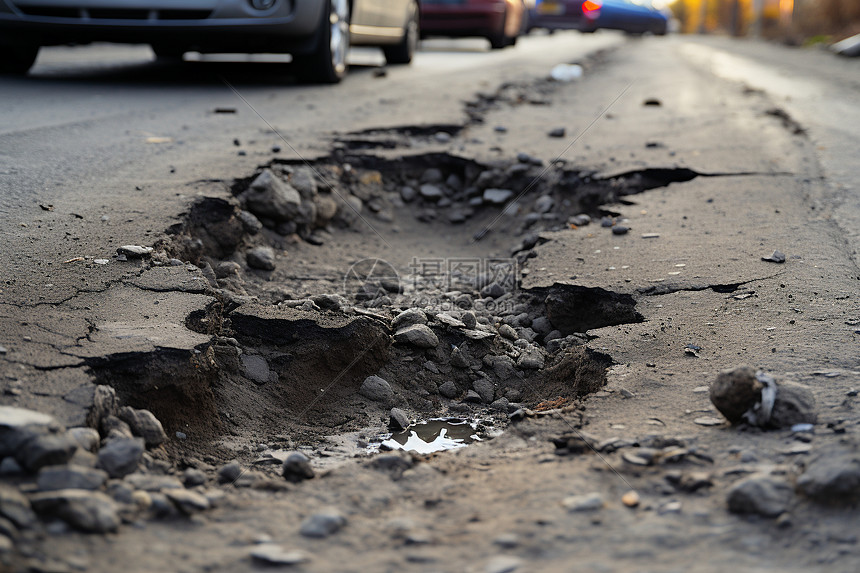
(339, 21)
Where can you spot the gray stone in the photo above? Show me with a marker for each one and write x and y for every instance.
(541, 325)
(735, 391)
(274, 555)
(408, 318)
(121, 456)
(256, 368)
(193, 477)
(531, 359)
(544, 204)
(493, 290)
(297, 468)
(229, 473)
(112, 427)
(557, 132)
(84, 459)
(500, 405)
(507, 540)
(469, 319)
(775, 257)
(408, 194)
(153, 482)
(159, 505)
(8, 529)
(323, 524)
(742, 394)
(418, 335)
(459, 359)
(15, 507)
(484, 388)
(432, 175)
(86, 438)
(134, 251)
(497, 196)
(584, 502)
(329, 301)
(143, 423)
(398, 420)
(508, 332)
(326, 209)
(832, 478)
(503, 564)
(376, 389)
(45, 450)
(449, 320)
(262, 258)
(226, 269)
(394, 463)
(250, 222)
(270, 198)
(303, 180)
(187, 501)
(89, 511)
(449, 390)
(760, 495)
(472, 396)
(105, 403)
(794, 404)
(53, 478)
(431, 192)
(17, 425)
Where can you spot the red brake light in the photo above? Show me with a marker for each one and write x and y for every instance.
(590, 6)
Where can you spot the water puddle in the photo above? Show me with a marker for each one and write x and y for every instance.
(434, 436)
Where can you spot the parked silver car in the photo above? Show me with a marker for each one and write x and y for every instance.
(318, 33)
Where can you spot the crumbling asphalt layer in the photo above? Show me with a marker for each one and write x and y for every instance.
(685, 294)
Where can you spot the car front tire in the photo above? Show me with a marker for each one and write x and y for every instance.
(17, 60)
(327, 64)
(403, 52)
(498, 39)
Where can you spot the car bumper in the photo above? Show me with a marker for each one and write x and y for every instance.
(462, 20)
(204, 25)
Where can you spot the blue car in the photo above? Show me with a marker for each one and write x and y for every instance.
(631, 16)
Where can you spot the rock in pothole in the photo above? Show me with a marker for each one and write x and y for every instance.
(143, 423)
(376, 388)
(418, 335)
(297, 468)
(832, 478)
(323, 524)
(17, 425)
(744, 395)
(88, 511)
(760, 495)
(121, 456)
(54, 478)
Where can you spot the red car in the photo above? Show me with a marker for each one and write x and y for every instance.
(500, 21)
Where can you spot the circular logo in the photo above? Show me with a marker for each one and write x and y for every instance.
(371, 279)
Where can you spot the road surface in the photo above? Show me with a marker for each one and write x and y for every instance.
(695, 160)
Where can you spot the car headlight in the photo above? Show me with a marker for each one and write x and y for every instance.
(262, 4)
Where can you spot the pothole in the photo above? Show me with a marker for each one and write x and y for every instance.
(314, 338)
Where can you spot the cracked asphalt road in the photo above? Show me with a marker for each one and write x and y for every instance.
(82, 175)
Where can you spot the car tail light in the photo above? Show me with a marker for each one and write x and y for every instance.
(591, 9)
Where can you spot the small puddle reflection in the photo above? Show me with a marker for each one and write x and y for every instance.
(434, 436)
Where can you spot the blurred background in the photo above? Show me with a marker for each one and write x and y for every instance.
(795, 22)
